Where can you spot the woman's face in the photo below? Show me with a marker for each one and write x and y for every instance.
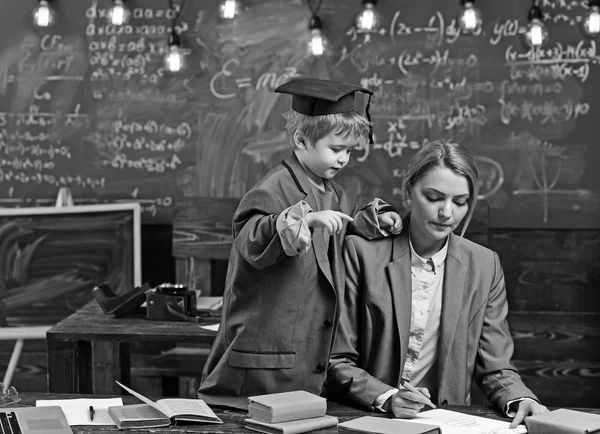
(439, 202)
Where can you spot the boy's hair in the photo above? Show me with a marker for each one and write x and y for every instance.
(444, 153)
(314, 128)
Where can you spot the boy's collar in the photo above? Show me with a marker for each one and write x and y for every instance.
(297, 172)
(295, 168)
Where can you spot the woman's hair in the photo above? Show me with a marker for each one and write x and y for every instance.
(444, 153)
(314, 128)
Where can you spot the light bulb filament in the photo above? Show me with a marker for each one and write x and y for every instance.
(316, 43)
(118, 15)
(174, 61)
(470, 19)
(43, 15)
(537, 37)
(592, 22)
(229, 9)
(367, 19)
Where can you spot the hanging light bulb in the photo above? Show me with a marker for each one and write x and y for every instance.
(43, 14)
(469, 19)
(591, 24)
(317, 44)
(118, 13)
(174, 61)
(368, 20)
(229, 9)
(536, 33)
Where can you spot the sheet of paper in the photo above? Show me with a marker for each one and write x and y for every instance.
(453, 422)
(209, 303)
(77, 410)
(213, 327)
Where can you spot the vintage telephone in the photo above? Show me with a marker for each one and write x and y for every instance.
(166, 302)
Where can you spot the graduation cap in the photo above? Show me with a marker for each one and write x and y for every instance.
(316, 97)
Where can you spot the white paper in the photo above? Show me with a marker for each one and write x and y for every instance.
(213, 327)
(77, 410)
(453, 422)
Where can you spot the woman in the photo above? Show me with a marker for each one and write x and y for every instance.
(427, 307)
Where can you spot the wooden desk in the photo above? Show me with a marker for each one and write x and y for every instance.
(233, 419)
(89, 350)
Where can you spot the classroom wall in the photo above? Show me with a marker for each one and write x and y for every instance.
(85, 106)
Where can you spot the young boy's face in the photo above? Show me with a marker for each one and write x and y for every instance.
(326, 157)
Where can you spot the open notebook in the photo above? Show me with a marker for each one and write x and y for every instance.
(164, 412)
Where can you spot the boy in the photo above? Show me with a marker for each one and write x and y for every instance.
(285, 273)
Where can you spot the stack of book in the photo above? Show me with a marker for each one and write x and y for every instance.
(292, 412)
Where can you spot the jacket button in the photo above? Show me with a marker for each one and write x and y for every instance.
(444, 402)
(320, 369)
(327, 324)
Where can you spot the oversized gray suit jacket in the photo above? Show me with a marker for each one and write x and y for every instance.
(475, 343)
(280, 312)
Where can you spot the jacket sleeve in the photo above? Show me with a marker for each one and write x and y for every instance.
(495, 373)
(255, 228)
(345, 379)
(365, 222)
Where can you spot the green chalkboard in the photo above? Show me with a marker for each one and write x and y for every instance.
(89, 106)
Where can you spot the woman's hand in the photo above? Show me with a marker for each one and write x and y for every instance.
(527, 407)
(406, 404)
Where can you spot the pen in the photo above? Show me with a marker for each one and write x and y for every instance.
(91, 413)
(412, 388)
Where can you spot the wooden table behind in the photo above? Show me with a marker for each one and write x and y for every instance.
(233, 419)
(89, 350)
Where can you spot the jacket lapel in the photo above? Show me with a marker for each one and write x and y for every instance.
(318, 238)
(398, 273)
(455, 277)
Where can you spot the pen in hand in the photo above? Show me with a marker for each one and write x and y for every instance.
(412, 388)
(91, 413)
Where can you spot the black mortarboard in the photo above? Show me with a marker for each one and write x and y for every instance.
(316, 97)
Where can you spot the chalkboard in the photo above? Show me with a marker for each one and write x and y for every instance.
(88, 106)
(52, 257)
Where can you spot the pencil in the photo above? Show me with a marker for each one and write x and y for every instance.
(412, 388)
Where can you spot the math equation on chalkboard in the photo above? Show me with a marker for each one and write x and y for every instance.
(88, 105)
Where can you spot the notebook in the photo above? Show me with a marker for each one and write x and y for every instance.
(34, 420)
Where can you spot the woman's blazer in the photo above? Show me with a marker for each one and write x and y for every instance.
(475, 343)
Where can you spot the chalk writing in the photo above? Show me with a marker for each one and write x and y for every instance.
(394, 146)
(561, 4)
(491, 176)
(224, 83)
(548, 111)
(508, 88)
(53, 180)
(556, 71)
(436, 28)
(558, 53)
(97, 102)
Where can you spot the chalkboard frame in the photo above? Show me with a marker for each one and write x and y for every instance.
(95, 212)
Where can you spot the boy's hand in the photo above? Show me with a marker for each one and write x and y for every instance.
(331, 220)
(390, 221)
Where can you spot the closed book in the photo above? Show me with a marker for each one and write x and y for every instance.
(286, 406)
(563, 421)
(293, 426)
(138, 416)
(385, 425)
